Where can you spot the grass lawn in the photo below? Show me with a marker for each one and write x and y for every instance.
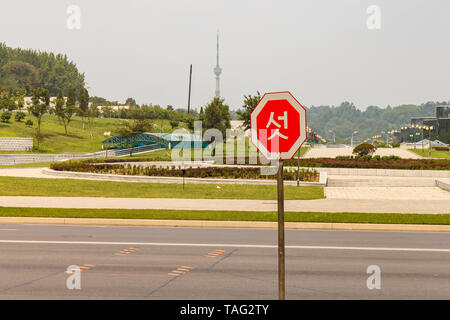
(166, 155)
(78, 139)
(434, 153)
(338, 217)
(28, 165)
(14, 186)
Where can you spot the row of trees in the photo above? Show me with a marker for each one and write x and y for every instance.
(25, 70)
(65, 108)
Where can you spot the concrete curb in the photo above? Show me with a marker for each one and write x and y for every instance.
(444, 185)
(226, 224)
(116, 177)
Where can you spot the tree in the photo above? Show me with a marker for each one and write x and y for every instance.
(20, 100)
(39, 107)
(364, 149)
(19, 116)
(6, 115)
(250, 102)
(92, 113)
(131, 102)
(20, 75)
(131, 130)
(65, 111)
(84, 103)
(217, 115)
(28, 69)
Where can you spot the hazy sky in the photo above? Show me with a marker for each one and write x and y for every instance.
(320, 50)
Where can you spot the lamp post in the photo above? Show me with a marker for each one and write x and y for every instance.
(429, 141)
(354, 132)
(334, 136)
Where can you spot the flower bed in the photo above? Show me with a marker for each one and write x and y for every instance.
(310, 175)
(364, 162)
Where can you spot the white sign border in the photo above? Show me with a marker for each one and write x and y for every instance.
(285, 95)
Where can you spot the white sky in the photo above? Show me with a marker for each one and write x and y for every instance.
(320, 50)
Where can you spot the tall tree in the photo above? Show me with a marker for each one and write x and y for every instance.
(131, 102)
(217, 115)
(250, 103)
(39, 107)
(84, 103)
(65, 111)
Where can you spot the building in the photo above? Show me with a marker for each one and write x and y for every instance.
(217, 70)
(438, 127)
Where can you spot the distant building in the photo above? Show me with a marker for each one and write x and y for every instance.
(440, 123)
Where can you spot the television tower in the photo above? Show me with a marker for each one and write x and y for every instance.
(217, 70)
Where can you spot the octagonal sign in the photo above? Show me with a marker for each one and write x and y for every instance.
(278, 125)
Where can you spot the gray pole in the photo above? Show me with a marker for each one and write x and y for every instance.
(281, 253)
(298, 168)
(189, 95)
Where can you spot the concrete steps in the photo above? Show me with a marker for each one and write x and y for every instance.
(381, 182)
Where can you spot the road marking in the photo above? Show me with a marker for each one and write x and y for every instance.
(180, 270)
(262, 246)
(215, 253)
(126, 251)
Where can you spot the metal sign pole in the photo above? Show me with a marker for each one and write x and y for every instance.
(189, 96)
(281, 253)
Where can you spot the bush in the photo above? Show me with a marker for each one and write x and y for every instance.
(208, 172)
(443, 148)
(19, 116)
(29, 123)
(364, 149)
(5, 116)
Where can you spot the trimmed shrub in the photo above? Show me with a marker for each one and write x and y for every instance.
(208, 172)
(364, 149)
(5, 116)
(19, 116)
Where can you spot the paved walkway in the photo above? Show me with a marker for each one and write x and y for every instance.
(388, 193)
(26, 173)
(323, 205)
(347, 151)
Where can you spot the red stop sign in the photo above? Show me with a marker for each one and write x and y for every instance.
(278, 125)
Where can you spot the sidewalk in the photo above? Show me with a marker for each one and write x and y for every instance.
(322, 205)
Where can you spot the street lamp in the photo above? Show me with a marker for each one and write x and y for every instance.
(334, 135)
(354, 132)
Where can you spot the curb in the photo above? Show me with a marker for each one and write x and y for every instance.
(444, 185)
(226, 224)
(155, 179)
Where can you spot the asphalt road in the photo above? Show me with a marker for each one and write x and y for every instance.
(184, 263)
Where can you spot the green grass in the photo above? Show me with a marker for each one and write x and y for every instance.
(166, 155)
(338, 217)
(78, 139)
(14, 186)
(28, 165)
(434, 153)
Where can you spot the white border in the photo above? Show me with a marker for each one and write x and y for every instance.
(254, 137)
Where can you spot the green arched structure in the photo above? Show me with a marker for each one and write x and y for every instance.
(156, 141)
